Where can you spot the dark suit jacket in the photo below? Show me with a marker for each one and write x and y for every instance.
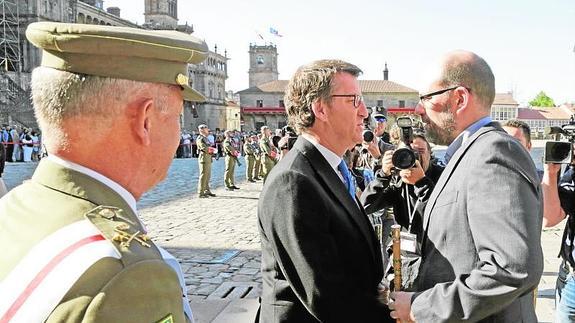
(320, 257)
(481, 250)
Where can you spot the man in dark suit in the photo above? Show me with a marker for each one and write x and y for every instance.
(321, 261)
(481, 248)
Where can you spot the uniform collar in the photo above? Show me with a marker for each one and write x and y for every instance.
(126, 196)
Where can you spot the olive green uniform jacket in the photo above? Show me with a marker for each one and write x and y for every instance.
(230, 160)
(267, 161)
(204, 164)
(137, 287)
(249, 151)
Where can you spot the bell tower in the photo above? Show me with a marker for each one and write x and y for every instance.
(263, 64)
(161, 14)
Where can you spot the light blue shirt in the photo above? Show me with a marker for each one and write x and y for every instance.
(462, 138)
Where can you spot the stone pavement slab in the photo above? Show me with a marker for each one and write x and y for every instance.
(225, 311)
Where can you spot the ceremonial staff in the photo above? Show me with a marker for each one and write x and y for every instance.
(396, 248)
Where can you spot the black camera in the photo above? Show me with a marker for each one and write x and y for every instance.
(405, 157)
(291, 137)
(367, 133)
(560, 152)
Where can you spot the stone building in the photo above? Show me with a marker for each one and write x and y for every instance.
(263, 103)
(208, 77)
(504, 107)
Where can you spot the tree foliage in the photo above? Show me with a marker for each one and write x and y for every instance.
(542, 100)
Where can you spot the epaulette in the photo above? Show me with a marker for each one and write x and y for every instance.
(124, 233)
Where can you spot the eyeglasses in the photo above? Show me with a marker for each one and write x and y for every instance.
(380, 119)
(428, 96)
(357, 99)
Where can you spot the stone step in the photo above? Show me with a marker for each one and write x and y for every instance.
(225, 310)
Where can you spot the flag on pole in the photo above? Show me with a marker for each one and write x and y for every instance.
(274, 32)
(259, 34)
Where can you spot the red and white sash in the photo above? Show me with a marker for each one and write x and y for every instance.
(38, 283)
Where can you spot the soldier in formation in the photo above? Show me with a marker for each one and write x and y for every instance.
(231, 158)
(250, 155)
(205, 153)
(268, 153)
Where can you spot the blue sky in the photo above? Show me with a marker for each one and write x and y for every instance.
(529, 44)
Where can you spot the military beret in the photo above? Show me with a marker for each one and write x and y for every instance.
(155, 56)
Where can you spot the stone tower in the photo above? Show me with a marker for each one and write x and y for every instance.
(161, 14)
(263, 64)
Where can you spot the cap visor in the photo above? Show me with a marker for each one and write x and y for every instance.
(190, 94)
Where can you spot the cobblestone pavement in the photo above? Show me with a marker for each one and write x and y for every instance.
(182, 179)
(216, 239)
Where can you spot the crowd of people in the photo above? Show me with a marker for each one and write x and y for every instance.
(80, 253)
(20, 144)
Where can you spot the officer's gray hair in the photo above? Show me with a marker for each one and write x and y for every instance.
(60, 95)
(310, 83)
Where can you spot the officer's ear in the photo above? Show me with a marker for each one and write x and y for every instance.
(140, 115)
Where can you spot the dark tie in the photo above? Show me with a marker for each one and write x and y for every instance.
(349, 182)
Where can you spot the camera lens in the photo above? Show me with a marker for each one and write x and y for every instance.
(403, 158)
(368, 135)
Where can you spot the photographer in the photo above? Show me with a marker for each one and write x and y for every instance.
(288, 138)
(406, 190)
(559, 202)
(375, 143)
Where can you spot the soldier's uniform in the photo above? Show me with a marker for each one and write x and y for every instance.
(205, 164)
(258, 164)
(75, 250)
(249, 152)
(266, 159)
(230, 160)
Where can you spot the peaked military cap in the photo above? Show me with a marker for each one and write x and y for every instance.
(155, 56)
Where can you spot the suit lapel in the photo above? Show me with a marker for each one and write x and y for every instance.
(334, 184)
(446, 175)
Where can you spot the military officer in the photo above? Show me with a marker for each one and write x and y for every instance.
(108, 101)
(267, 152)
(249, 152)
(231, 157)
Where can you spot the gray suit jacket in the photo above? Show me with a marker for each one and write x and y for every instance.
(321, 261)
(481, 251)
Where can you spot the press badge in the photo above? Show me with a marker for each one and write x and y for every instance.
(408, 242)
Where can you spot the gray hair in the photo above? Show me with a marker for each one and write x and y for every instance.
(60, 95)
(475, 74)
(310, 83)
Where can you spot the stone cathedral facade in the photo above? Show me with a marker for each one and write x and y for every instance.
(208, 77)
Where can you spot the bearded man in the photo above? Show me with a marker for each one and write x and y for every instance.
(481, 251)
